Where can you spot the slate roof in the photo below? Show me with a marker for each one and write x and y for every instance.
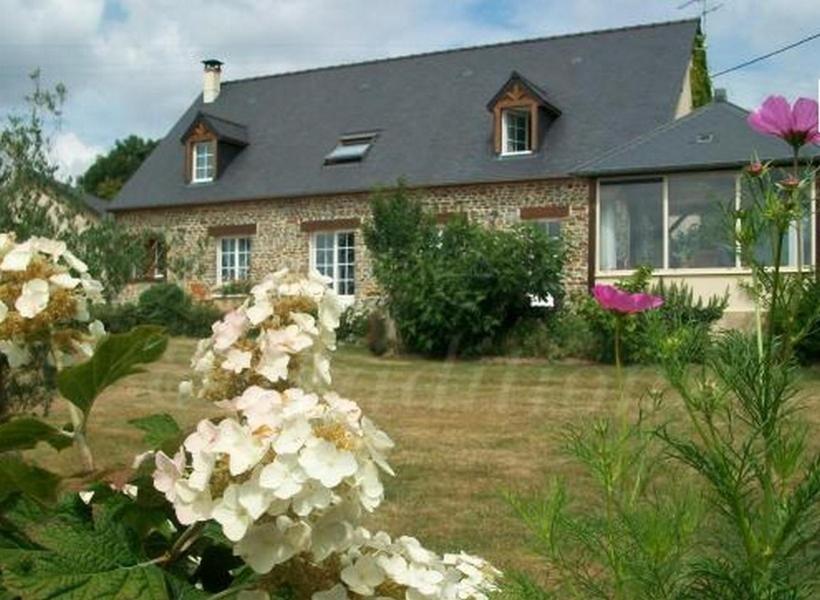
(712, 137)
(431, 116)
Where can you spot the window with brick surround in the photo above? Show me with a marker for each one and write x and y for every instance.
(333, 254)
(233, 259)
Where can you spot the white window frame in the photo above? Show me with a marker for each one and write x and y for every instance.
(505, 113)
(159, 250)
(195, 154)
(335, 283)
(219, 278)
(737, 269)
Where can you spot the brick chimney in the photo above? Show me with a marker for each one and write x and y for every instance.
(211, 80)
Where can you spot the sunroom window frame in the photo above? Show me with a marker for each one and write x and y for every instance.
(313, 265)
(666, 270)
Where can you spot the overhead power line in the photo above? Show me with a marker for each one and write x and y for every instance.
(769, 55)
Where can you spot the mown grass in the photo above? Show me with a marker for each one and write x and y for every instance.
(465, 431)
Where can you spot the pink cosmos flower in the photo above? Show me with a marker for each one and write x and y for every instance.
(611, 298)
(797, 124)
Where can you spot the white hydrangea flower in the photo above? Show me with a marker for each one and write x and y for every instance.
(33, 299)
(323, 461)
(64, 280)
(16, 354)
(4, 310)
(237, 360)
(18, 258)
(269, 544)
(295, 467)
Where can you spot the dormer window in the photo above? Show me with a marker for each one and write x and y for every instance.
(521, 117)
(351, 148)
(516, 131)
(210, 144)
(203, 162)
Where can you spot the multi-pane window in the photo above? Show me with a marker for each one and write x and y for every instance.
(204, 162)
(234, 259)
(682, 222)
(334, 255)
(156, 259)
(631, 225)
(699, 205)
(516, 131)
(552, 227)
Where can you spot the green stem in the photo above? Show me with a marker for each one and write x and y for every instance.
(618, 365)
(78, 422)
(184, 541)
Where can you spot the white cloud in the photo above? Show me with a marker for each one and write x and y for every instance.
(72, 155)
(137, 72)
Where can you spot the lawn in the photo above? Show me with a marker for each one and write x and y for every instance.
(465, 431)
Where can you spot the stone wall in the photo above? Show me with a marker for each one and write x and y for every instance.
(281, 240)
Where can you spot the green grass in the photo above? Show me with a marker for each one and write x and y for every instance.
(465, 431)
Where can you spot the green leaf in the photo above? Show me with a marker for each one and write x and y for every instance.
(117, 356)
(26, 432)
(158, 429)
(82, 560)
(34, 482)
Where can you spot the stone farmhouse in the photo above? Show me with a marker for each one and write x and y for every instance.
(591, 136)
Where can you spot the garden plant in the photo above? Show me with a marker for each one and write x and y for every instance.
(266, 502)
(713, 490)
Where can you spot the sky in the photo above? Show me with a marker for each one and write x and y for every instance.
(132, 66)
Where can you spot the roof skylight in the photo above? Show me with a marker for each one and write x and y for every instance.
(350, 149)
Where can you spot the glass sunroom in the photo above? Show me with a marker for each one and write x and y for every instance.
(666, 200)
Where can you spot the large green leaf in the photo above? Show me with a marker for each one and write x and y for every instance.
(158, 429)
(117, 356)
(34, 482)
(81, 560)
(26, 432)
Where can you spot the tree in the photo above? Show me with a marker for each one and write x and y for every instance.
(34, 203)
(109, 172)
(700, 83)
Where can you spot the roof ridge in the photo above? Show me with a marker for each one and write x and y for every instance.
(466, 48)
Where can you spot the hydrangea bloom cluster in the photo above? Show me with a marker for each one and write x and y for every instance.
(45, 292)
(292, 469)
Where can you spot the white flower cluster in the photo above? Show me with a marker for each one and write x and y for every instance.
(290, 473)
(45, 290)
(290, 317)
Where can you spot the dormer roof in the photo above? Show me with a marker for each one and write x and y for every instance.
(222, 129)
(516, 86)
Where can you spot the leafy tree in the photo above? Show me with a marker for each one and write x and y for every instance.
(109, 172)
(700, 84)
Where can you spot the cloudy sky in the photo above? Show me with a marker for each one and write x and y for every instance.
(131, 66)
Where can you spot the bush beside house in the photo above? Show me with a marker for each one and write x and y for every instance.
(456, 289)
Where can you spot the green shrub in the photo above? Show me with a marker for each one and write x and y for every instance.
(680, 310)
(163, 304)
(353, 323)
(457, 290)
(554, 336)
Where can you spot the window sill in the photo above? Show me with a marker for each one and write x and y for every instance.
(503, 155)
(693, 272)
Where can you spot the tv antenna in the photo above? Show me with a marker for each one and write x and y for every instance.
(706, 8)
